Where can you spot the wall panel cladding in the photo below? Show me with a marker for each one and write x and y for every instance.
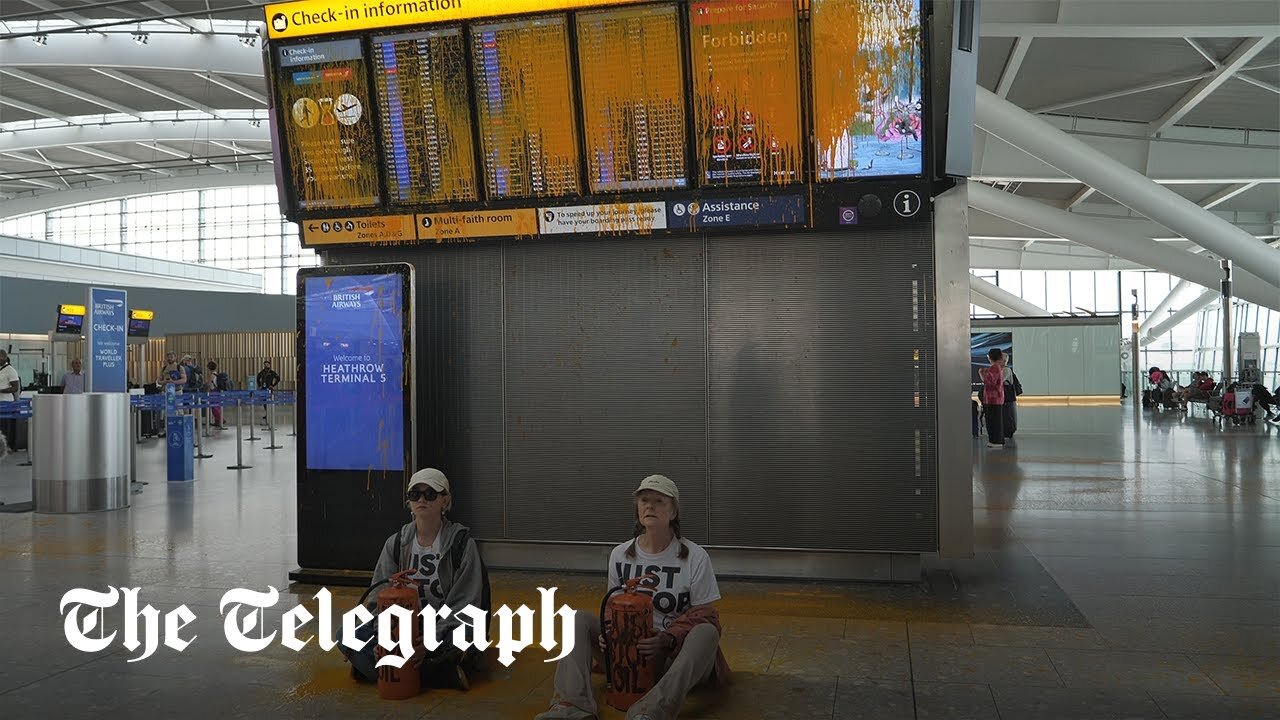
(821, 387)
(785, 383)
(606, 368)
(458, 370)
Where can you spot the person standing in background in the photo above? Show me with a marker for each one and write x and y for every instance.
(1012, 389)
(172, 373)
(73, 379)
(214, 383)
(993, 397)
(10, 389)
(267, 381)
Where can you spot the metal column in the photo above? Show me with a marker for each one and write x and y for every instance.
(955, 447)
(1226, 322)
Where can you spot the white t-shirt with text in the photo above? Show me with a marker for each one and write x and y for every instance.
(426, 562)
(682, 583)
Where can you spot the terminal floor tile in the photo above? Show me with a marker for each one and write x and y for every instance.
(1123, 570)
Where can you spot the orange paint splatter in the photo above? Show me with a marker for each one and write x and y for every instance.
(632, 97)
(525, 102)
(865, 66)
(746, 85)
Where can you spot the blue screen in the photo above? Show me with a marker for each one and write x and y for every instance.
(354, 373)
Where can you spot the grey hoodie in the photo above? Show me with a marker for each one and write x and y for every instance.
(462, 586)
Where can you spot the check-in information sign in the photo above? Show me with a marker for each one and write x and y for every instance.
(105, 328)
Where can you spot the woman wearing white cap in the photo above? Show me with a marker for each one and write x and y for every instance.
(686, 640)
(449, 571)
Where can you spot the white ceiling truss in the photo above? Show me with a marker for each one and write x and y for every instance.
(1186, 95)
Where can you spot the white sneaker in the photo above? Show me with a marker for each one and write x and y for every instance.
(565, 711)
(994, 445)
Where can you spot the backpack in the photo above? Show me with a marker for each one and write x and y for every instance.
(223, 382)
(1017, 384)
(456, 551)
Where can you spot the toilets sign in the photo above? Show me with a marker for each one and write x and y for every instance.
(105, 338)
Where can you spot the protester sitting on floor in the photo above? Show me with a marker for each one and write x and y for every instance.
(449, 572)
(686, 646)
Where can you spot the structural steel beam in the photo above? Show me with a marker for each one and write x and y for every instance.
(68, 91)
(220, 54)
(1163, 306)
(1207, 298)
(131, 162)
(1010, 72)
(1135, 30)
(1226, 194)
(151, 130)
(1181, 155)
(43, 202)
(42, 160)
(159, 91)
(1200, 270)
(1235, 61)
(999, 300)
(1129, 187)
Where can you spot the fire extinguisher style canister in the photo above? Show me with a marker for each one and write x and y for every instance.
(400, 683)
(626, 618)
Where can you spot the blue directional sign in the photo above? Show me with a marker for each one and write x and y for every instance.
(757, 210)
(105, 328)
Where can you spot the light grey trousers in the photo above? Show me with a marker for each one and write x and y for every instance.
(692, 666)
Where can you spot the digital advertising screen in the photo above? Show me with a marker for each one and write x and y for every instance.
(867, 105)
(632, 72)
(354, 372)
(746, 91)
(981, 343)
(328, 127)
(524, 96)
(420, 81)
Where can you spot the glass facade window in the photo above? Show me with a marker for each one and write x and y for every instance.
(237, 228)
(1195, 344)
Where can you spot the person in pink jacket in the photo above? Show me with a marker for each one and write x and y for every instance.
(993, 397)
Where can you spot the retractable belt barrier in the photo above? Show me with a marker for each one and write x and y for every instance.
(239, 399)
(15, 409)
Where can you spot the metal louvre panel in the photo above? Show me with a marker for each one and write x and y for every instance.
(606, 365)
(458, 373)
(816, 437)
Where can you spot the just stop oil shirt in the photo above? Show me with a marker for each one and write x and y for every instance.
(682, 583)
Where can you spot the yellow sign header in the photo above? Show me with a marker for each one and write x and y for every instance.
(324, 17)
(443, 227)
(338, 231)
(70, 309)
(142, 314)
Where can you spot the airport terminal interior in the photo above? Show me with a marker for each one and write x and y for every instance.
(950, 331)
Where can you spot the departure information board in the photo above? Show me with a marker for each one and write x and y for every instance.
(329, 133)
(633, 115)
(420, 80)
(746, 91)
(866, 88)
(524, 97)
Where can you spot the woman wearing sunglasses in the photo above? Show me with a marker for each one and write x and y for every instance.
(449, 571)
(685, 641)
